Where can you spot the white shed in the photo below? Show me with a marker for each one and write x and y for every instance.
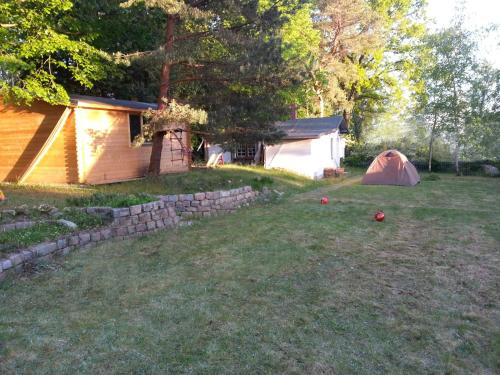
(214, 153)
(310, 146)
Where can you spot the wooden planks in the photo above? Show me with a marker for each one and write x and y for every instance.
(23, 132)
(59, 164)
(47, 144)
(103, 154)
(104, 151)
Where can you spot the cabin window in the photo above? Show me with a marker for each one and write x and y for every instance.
(251, 151)
(245, 151)
(135, 125)
(241, 151)
(136, 128)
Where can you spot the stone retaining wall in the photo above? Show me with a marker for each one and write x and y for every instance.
(168, 212)
(16, 225)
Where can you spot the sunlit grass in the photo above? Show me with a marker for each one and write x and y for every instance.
(199, 179)
(288, 287)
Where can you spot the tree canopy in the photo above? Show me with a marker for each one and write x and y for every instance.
(39, 57)
(243, 63)
(460, 94)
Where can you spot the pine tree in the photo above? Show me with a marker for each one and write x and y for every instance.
(364, 55)
(224, 57)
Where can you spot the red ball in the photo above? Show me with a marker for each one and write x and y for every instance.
(379, 216)
(325, 200)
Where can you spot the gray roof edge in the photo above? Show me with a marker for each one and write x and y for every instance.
(309, 136)
(311, 128)
(75, 100)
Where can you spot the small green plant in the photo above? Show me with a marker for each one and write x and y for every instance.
(47, 230)
(25, 237)
(110, 200)
(431, 177)
(83, 219)
(258, 183)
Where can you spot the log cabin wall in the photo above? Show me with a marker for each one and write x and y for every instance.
(105, 153)
(23, 131)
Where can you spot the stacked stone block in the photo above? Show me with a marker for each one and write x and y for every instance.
(209, 203)
(16, 225)
(168, 212)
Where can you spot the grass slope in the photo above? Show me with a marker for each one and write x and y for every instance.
(199, 179)
(292, 287)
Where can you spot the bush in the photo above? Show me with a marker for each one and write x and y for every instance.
(110, 200)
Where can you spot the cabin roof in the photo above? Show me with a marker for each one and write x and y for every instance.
(309, 128)
(109, 103)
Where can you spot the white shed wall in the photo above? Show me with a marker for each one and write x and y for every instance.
(307, 157)
(213, 152)
(294, 156)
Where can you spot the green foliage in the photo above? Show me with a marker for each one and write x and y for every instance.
(459, 95)
(110, 200)
(171, 117)
(40, 232)
(38, 59)
(299, 37)
(83, 219)
(47, 230)
(226, 58)
(363, 63)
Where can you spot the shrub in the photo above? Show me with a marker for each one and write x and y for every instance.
(110, 200)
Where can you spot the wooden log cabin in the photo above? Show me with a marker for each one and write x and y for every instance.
(86, 142)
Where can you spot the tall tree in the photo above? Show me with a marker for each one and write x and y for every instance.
(430, 103)
(483, 117)
(224, 57)
(391, 70)
(39, 57)
(448, 81)
(351, 32)
(301, 44)
(364, 59)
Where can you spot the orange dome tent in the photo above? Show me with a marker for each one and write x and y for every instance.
(391, 168)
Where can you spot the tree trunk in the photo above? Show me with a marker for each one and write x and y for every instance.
(156, 151)
(430, 152)
(457, 128)
(431, 141)
(321, 105)
(455, 158)
(347, 116)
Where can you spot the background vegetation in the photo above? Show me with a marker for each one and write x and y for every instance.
(374, 62)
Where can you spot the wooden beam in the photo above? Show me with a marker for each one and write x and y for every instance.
(47, 145)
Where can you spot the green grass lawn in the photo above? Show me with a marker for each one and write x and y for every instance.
(288, 287)
(199, 179)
